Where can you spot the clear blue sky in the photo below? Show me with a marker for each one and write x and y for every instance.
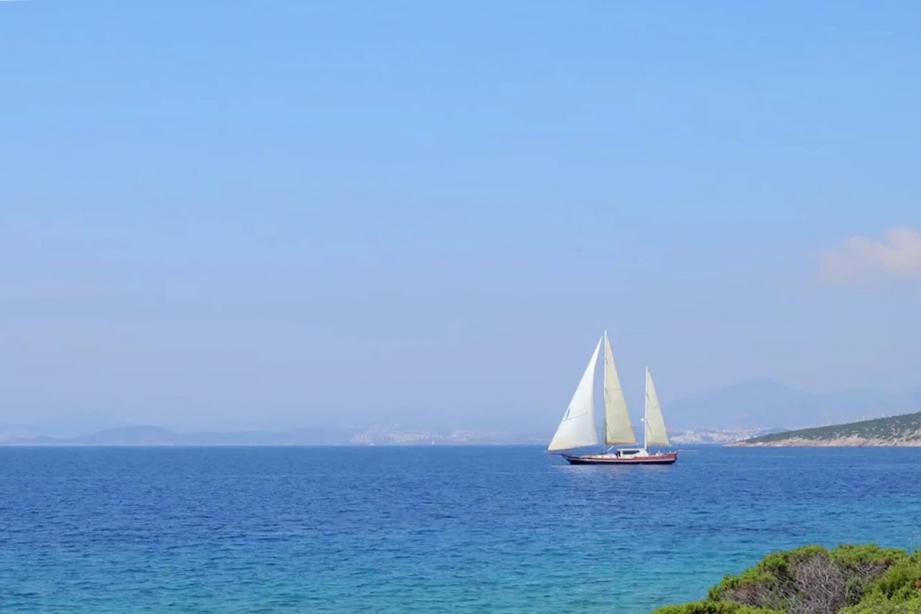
(272, 214)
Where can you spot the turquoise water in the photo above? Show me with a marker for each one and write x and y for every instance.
(499, 529)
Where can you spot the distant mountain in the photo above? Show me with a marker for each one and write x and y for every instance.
(904, 430)
(765, 403)
(730, 413)
(11, 431)
(714, 436)
(157, 436)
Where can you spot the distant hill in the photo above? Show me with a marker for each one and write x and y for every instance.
(768, 404)
(157, 436)
(904, 430)
(742, 410)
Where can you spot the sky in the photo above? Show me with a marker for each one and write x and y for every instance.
(282, 214)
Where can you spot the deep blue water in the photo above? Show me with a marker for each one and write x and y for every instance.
(499, 529)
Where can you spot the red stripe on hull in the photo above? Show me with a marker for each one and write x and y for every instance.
(656, 459)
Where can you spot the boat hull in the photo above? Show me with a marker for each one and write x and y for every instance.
(668, 458)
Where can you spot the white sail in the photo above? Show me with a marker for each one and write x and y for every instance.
(577, 429)
(618, 428)
(654, 422)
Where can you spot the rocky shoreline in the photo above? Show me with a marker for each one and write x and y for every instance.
(841, 442)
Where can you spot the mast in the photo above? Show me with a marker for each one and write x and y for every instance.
(604, 418)
(646, 411)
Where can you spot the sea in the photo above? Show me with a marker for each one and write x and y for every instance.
(422, 529)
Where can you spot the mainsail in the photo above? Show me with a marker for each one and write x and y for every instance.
(654, 422)
(577, 429)
(618, 428)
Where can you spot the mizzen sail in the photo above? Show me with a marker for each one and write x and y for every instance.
(577, 429)
(618, 428)
(654, 422)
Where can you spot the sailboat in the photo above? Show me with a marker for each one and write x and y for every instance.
(578, 430)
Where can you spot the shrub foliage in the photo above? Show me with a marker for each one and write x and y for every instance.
(863, 579)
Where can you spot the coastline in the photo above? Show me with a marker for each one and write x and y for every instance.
(841, 442)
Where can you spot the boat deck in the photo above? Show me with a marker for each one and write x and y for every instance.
(666, 458)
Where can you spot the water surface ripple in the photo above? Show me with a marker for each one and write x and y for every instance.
(460, 529)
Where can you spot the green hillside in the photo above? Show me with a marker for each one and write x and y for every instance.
(894, 430)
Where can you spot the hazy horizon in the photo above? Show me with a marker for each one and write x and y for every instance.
(268, 217)
(752, 405)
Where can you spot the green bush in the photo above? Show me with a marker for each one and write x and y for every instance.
(714, 607)
(864, 579)
(898, 591)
